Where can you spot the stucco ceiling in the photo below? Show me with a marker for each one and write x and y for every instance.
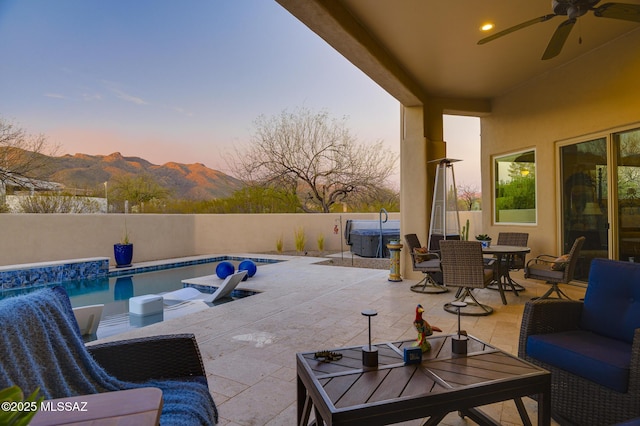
(431, 46)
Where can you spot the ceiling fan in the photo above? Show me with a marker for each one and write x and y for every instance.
(573, 9)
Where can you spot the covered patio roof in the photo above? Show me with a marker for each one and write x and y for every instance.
(422, 50)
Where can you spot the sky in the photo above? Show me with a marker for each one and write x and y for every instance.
(185, 80)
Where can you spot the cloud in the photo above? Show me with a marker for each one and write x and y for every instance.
(55, 96)
(181, 111)
(127, 97)
(114, 88)
(92, 96)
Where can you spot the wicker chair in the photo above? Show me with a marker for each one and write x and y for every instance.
(519, 239)
(586, 346)
(428, 264)
(513, 262)
(545, 267)
(174, 356)
(463, 266)
(171, 363)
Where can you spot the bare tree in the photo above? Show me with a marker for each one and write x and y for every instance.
(314, 156)
(23, 157)
(467, 196)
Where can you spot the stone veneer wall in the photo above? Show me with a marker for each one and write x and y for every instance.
(45, 273)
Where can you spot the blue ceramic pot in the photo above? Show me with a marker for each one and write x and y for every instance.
(123, 253)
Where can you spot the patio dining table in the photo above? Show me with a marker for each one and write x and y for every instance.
(502, 278)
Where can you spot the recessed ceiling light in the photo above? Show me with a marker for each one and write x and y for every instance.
(486, 27)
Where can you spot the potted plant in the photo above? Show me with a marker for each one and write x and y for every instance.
(123, 251)
(21, 417)
(484, 239)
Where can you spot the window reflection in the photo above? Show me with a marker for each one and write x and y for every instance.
(628, 144)
(515, 188)
(584, 200)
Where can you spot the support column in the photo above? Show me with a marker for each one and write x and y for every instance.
(420, 142)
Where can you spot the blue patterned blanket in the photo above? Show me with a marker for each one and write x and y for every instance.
(41, 346)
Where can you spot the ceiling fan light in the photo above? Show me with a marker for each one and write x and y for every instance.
(487, 27)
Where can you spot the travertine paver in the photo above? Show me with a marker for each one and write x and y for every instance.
(249, 346)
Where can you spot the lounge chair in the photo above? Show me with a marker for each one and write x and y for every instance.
(190, 293)
(88, 318)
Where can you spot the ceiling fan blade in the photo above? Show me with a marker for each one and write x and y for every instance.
(624, 11)
(558, 39)
(516, 28)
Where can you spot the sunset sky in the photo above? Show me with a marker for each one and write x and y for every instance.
(184, 80)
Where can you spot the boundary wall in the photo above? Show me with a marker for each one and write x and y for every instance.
(31, 238)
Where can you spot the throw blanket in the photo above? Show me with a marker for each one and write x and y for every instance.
(41, 346)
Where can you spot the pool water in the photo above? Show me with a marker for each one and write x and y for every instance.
(119, 289)
(114, 292)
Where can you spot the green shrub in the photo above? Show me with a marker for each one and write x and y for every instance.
(320, 241)
(300, 239)
(30, 406)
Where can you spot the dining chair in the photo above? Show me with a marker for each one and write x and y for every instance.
(426, 262)
(519, 239)
(463, 266)
(512, 262)
(555, 269)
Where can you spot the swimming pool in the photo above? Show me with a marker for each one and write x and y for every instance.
(116, 293)
(115, 290)
(118, 289)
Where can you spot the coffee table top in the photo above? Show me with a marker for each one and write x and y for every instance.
(343, 391)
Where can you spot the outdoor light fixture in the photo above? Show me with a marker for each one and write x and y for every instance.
(487, 27)
(459, 341)
(369, 353)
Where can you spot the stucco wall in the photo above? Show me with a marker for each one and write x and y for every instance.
(595, 93)
(28, 238)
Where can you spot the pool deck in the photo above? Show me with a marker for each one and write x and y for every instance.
(249, 346)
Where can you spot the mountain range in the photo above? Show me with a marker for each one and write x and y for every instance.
(184, 181)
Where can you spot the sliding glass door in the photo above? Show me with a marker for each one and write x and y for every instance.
(583, 171)
(627, 147)
(600, 194)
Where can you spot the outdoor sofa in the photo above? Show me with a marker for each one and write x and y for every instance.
(591, 347)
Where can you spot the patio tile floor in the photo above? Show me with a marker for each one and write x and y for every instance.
(249, 346)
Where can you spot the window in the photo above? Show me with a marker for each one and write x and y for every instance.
(515, 188)
(627, 146)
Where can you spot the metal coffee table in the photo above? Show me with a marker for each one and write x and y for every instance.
(341, 392)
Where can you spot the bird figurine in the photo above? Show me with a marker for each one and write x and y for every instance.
(424, 329)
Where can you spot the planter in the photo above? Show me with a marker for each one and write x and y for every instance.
(485, 243)
(123, 253)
